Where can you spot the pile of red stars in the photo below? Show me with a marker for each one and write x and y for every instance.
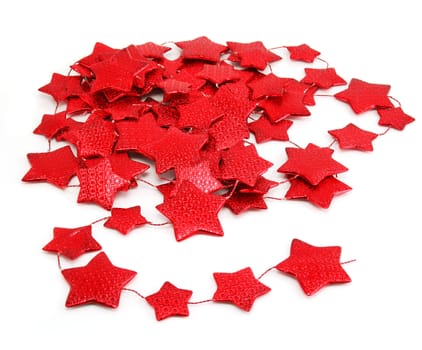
(191, 116)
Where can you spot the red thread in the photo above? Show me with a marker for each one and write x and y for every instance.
(200, 302)
(135, 292)
(99, 220)
(266, 271)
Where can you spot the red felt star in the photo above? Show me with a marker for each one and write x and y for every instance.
(240, 202)
(192, 211)
(218, 74)
(152, 50)
(394, 118)
(99, 183)
(314, 267)
(173, 86)
(199, 114)
(175, 148)
(77, 106)
(99, 281)
(353, 137)
(252, 55)
(240, 288)
(72, 242)
(261, 186)
(62, 87)
(100, 53)
(243, 164)
(363, 96)
(51, 124)
(126, 107)
(126, 167)
(323, 78)
(302, 53)
(167, 115)
(320, 195)
(201, 48)
(170, 301)
(268, 85)
(265, 131)
(312, 163)
(56, 167)
(125, 220)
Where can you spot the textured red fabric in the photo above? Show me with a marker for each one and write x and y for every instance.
(201, 48)
(268, 85)
(394, 118)
(302, 53)
(252, 55)
(265, 131)
(62, 87)
(323, 78)
(353, 137)
(51, 124)
(219, 73)
(125, 220)
(240, 202)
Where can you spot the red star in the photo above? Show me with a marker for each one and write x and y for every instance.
(363, 96)
(268, 85)
(99, 183)
(175, 148)
(352, 137)
(394, 118)
(51, 124)
(173, 86)
(252, 55)
(240, 202)
(312, 163)
(201, 48)
(126, 107)
(192, 211)
(72, 242)
(100, 53)
(126, 167)
(169, 301)
(199, 114)
(99, 281)
(77, 106)
(302, 53)
(61, 87)
(243, 164)
(218, 73)
(56, 167)
(320, 195)
(314, 267)
(152, 50)
(240, 288)
(265, 131)
(125, 220)
(323, 78)
(261, 186)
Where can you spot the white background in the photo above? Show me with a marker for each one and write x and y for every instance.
(378, 222)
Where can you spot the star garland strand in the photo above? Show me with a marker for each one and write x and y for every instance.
(191, 116)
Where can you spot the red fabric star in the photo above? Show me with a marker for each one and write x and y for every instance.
(199, 114)
(72, 242)
(125, 220)
(261, 186)
(218, 74)
(240, 288)
(252, 55)
(62, 87)
(126, 107)
(314, 267)
(268, 85)
(302, 53)
(152, 50)
(353, 137)
(240, 202)
(312, 163)
(51, 124)
(265, 131)
(99, 183)
(394, 118)
(56, 167)
(100, 53)
(173, 86)
(126, 167)
(243, 164)
(192, 211)
(99, 281)
(320, 195)
(323, 78)
(170, 301)
(363, 96)
(201, 48)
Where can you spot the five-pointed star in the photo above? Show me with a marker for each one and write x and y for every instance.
(363, 96)
(394, 118)
(323, 78)
(302, 53)
(152, 50)
(314, 267)
(252, 55)
(312, 163)
(240, 202)
(125, 220)
(56, 167)
(62, 87)
(72, 242)
(199, 114)
(243, 164)
(126, 167)
(320, 195)
(126, 107)
(353, 137)
(192, 211)
(201, 48)
(268, 85)
(99, 281)
(219, 73)
(170, 301)
(265, 131)
(51, 124)
(240, 288)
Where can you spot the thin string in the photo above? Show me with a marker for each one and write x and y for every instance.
(324, 61)
(233, 189)
(135, 292)
(266, 271)
(348, 261)
(385, 131)
(294, 144)
(200, 302)
(159, 224)
(59, 263)
(99, 220)
(395, 100)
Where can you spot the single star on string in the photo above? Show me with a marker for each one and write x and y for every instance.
(394, 118)
(201, 48)
(314, 267)
(251, 55)
(323, 78)
(152, 50)
(99, 281)
(125, 220)
(320, 195)
(218, 74)
(62, 87)
(56, 167)
(353, 137)
(268, 85)
(265, 131)
(51, 124)
(312, 163)
(169, 301)
(302, 53)
(240, 202)
(363, 96)
(72, 242)
(192, 211)
(240, 288)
